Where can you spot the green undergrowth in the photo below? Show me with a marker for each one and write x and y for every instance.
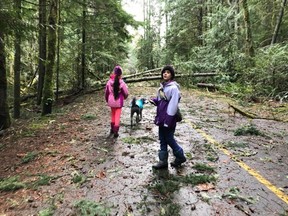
(137, 140)
(48, 211)
(36, 124)
(43, 179)
(88, 116)
(234, 193)
(249, 129)
(203, 168)
(52, 206)
(13, 183)
(234, 145)
(30, 156)
(78, 178)
(165, 187)
(195, 179)
(89, 208)
(211, 153)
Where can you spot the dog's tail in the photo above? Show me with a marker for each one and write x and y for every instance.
(133, 103)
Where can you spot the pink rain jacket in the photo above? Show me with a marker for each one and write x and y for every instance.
(109, 96)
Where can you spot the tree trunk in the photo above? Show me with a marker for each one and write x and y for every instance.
(249, 43)
(42, 48)
(58, 54)
(17, 63)
(279, 20)
(5, 120)
(52, 40)
(83, 48)
(200, 22)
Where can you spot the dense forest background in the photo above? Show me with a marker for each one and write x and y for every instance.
(48, 47)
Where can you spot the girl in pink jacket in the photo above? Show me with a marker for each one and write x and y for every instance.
(116, 92)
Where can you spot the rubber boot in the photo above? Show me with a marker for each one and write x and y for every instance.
(111, 130)
(116, 130)
(163, 160)
(179, 158)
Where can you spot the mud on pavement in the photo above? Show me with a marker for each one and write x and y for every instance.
(90, 174)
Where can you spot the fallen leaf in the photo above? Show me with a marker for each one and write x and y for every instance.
(101, 174)
(21, 155)
(205, 187)
(148, 128)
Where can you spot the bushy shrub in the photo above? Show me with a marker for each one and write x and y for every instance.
(269, 76)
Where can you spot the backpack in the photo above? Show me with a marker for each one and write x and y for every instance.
(178, 115)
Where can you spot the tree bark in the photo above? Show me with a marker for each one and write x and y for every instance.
(58, 54)
(42, 48)
(5, 120)
(249, 42)
(83, 57)
(17, 63)
(52, 40)
(279, 20)
(200, 22)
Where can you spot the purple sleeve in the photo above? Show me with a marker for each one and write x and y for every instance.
(155, 101)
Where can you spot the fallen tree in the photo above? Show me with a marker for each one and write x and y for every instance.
(251, 115)
(209, 86)
(152, 71)
(176, 76)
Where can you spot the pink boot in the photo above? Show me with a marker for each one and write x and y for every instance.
(111, 130)
(116, 130)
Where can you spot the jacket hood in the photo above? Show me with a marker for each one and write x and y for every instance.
(170, 83)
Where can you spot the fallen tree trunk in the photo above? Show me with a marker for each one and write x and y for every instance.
(241, 112)
(143, 73)
(210, 86)
(26, 97)
(176, 76)
(252, 115)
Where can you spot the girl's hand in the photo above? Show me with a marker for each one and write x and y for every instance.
(153, 101)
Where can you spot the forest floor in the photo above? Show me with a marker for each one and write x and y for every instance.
(64, 164)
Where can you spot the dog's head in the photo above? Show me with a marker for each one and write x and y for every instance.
(139, 102)
(144, 100)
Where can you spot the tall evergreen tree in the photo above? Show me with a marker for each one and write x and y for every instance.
(42, 39)
(48, 96)
(17, 62)
(279, 20)
(6, 21)
(5, 120)
(248, 31)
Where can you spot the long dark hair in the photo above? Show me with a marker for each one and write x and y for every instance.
(116, 86)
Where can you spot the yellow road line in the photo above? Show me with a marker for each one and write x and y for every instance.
(251, 171)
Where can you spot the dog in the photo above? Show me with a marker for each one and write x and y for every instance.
(137, 107)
